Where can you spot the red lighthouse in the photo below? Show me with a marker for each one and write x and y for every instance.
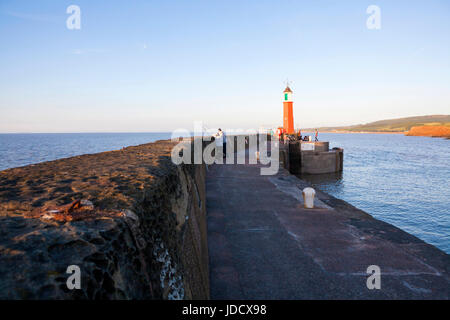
(288, 113)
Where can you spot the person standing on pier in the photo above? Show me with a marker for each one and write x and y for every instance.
(279, 133)
(317, 135)
(221, 141)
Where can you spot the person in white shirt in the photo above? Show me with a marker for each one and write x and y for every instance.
(221, 141)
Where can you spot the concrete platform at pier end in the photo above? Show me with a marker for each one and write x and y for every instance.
(264, 245)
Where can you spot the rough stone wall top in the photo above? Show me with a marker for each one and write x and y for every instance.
(111, 180)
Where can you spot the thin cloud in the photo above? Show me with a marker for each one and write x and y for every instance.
(87, 51)
(34, 16)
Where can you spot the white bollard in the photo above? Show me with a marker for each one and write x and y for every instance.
(308, 197)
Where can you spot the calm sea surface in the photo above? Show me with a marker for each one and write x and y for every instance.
(400, 180)
(22, 149)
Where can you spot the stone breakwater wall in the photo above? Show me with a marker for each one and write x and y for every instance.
(317, 161)
(131, 220)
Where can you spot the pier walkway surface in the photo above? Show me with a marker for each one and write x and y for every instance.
(263, 244)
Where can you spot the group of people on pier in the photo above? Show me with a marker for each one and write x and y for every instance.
(283, 136)
(221, 138)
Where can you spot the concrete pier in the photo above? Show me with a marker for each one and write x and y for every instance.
(264, 245)
(311, 157)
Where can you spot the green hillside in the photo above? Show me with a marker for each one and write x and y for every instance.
(394, 125)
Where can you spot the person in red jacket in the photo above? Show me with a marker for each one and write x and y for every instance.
(279, 133)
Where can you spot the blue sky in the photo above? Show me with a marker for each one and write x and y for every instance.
(160, 65)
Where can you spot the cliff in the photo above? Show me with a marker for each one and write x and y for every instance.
(430, 131)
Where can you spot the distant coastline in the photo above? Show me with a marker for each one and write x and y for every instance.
(411, 133)
(425, 126)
